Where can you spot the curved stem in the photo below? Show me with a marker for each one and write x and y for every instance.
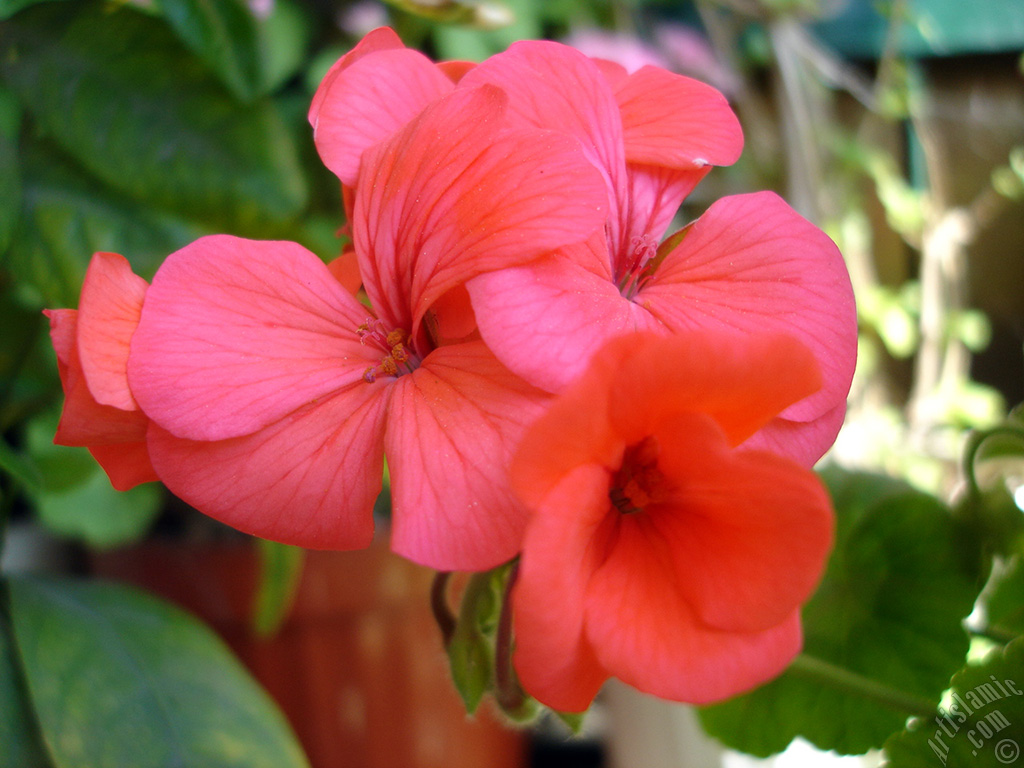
(506, 687)
(439, 606)
(974, 444)
(819, 670)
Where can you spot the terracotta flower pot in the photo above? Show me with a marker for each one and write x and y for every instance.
(358, 665)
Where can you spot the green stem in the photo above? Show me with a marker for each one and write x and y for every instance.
(974, 444)
(812, 668)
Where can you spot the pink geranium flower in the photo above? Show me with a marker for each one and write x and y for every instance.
(275, 394)
(92, 358)
(750, 264)
(660, 551)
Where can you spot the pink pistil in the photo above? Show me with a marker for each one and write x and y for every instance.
(643, 249)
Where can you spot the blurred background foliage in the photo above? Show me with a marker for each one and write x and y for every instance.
(135, 126)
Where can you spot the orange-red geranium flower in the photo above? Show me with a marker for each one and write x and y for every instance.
(92, 358)
(659, 550)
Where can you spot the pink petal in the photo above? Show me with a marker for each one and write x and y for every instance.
(456, 193)
(655, 193)
(235, 334)
(83, 421)
(108, 313)
(752, 264)
(644, 632)
(545, 320)
(380, 39)
(748, 531)
(553, 659)
(309, 479)
(553, 86)
(676, 121)
(126, 464)
(453, 425)
(366, 102)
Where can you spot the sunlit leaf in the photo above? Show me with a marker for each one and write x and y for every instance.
(119, 93)
(67, 217)
(888, 612)
(982, 725)
(119, 678)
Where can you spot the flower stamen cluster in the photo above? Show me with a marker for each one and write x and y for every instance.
(398, 357)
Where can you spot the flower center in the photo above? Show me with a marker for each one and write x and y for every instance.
(638, 483)
(637, 266)
(398, 356)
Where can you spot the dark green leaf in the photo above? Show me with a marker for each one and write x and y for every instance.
(118, 92)
(119, 679)
(19, 735)
(888, 614)
(981, 725)
(28, 369)
(280, 573)
(10, 171)
(10, 7)
(68, 217)
(1004, 602)
(75, 498)
(223, 33)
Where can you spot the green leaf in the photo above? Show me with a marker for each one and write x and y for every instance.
(10, 7)
(223, 33)
(882, 634)
(280, 574)
(10, 170)
(119, 678)
(118, 92)
(981, 725)
(19, 734)
(1004, 600)
(28, 369)
(68, 216)
(75, 498)
(471, 649)
(252, 55)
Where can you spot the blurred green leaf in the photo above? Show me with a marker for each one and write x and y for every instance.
(119, 678)
(19, 735)
(1004, 601)
(28, 369)
(224, 34)
(280, 574)
(463, 42)
(10, 171)
(68, 217)
(888, 611)
(117, 91)
(75, 498)
(10, 7)
(982, 725)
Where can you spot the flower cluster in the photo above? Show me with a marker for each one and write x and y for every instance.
(634, 416)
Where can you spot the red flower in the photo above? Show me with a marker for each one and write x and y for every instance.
(92, 358)
(657, 551)
(275, 394)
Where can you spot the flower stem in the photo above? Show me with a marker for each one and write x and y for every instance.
(813, 668)
(439, 605)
